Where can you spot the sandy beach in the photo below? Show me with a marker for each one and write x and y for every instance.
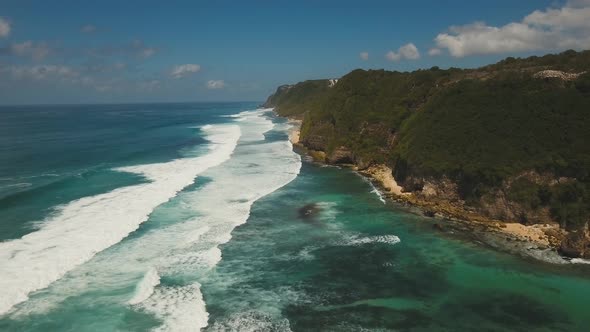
(294, 131)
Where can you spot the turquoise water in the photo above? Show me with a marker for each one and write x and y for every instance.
(188, 216)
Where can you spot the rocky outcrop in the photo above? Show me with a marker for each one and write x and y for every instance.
(440, 188)
(340, 155)
(558, 75)
(315, 142)
(497, 206)
(384, 175)
(576, 244)
(440, 197)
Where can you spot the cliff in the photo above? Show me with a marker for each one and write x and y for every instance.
(506, 142)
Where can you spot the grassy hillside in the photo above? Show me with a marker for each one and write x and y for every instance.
(479, 128)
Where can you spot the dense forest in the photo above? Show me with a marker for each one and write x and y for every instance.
(519, 128)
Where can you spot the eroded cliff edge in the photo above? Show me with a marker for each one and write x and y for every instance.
(506, 144)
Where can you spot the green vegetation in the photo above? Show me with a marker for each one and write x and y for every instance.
(477, 127)
(570, 205)
(497, 128)
(300, 98)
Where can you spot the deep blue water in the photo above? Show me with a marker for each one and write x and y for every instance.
(184, 217)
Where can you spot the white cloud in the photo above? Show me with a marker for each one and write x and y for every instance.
(37, 51)
(135, 48)
(142, 50)
(550, 29)
(88, 28)
(147, 52)
(184, 70)
(215, 84)
(364, 56)
(42, 72)
(434, 51)
(408, 51)
(4, 27)
(149, 85)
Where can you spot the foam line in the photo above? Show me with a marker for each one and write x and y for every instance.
(82, 228)
(181, 308)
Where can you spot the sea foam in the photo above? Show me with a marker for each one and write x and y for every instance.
(82, 228)
(256, 169)
(185, 250)
(180, 308)
(145, 288)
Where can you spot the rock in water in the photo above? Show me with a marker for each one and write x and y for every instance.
(309, 211)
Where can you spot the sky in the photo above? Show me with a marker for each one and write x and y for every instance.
(63, 52)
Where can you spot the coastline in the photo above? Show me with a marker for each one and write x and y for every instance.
(528, 241)
(295, 131)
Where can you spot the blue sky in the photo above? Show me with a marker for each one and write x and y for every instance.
(132, 51)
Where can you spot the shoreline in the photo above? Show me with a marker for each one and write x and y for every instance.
(295, 131)
(527, 241)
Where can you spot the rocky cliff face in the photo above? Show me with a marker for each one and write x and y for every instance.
(464, 139)
(496, 205)
(576, 244)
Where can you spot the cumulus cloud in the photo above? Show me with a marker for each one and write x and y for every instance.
(4, 27)
(549, 29)
(364, 56)
(215, 84)
(408, 51)
(88, 28)
(37, 51)
(184, 70)
(434, 51)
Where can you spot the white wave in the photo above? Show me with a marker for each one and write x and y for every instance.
(82, 228)
(145, 288)
(359, 240)
(378, 193)
(374, 189)
(306, 254)
(580, 261)
(328, 210)
(251, 321)
(189, 247)
(17, 185)
(180, 308)
(256, 169)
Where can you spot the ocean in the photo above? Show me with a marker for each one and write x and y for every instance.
(200, 216)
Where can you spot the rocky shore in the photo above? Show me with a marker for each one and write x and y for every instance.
(539, 241)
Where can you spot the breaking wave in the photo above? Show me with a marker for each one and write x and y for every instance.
(82, 228)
